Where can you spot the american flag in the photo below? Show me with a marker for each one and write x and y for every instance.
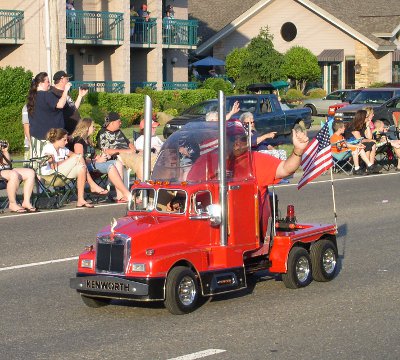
(317, 157)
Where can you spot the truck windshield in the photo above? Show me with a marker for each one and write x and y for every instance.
(191, 154)
(163, 200)
(373, 97)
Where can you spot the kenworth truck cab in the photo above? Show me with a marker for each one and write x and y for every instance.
(197, 228)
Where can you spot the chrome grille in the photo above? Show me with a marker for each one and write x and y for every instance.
(112, 254)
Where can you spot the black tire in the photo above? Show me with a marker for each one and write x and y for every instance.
(299, 269)
(313, 109)
(182, 291)
(324, 260)
(95, 302)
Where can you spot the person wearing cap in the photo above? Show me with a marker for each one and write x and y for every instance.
(112, 141)
(70, 109)
(156, 142)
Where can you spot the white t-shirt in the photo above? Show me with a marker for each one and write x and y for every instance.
(156, 143)
(49, 149)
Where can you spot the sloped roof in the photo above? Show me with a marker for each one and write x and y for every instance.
(368, 18)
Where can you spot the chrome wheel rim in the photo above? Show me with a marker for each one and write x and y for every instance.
(187, 291)
(329, 261)
(303, 269)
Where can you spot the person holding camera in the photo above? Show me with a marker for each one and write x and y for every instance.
(70, 110)
(14, 178)
(82, 144)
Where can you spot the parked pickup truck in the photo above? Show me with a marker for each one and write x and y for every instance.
(266, 109)
(374, 97)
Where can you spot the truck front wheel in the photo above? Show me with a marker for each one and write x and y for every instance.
(95, 302)
(299, 273)
(324, 260)
(182, 291)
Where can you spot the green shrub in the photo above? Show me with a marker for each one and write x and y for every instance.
(172, 112)
(130, 116)
(316, 93)
(217, 84)
(293, 95)
(378, 84)
(11, 127)
(15, 84)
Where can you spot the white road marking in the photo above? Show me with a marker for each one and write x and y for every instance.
(199, 355)
(41, 212)
(38, 263)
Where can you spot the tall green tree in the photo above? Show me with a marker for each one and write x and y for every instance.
(234, 61)
(263, 63)
(301, 65)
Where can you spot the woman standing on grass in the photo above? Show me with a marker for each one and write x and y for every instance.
(82, 144)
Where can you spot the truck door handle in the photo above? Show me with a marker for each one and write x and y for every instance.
(234, 187)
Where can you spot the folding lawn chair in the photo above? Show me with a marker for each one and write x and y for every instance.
(53, 190)
(343, 162)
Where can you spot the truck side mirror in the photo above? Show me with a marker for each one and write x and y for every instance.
(215, 213)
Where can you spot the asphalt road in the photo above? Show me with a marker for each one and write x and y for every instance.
(355, 316)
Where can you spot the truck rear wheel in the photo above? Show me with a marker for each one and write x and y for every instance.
(324, 260)
(182, 291)
(299, 273)
(95, 302)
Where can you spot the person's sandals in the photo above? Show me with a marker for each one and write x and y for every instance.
(102, 192)
(31, 210)
(19, 211)
(85, 205)
(121, 201)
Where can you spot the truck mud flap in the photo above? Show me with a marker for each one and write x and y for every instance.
(109, 285)
(218, 282)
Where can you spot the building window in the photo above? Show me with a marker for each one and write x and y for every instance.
(350, 73)
(288, 31)
(396, 72)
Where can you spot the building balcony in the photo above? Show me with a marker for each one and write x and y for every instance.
(143, 33)
(11, 27)
(180, 33)
(95, 27)
(101, 86)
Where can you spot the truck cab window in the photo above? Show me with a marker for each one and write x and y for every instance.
(200, 201)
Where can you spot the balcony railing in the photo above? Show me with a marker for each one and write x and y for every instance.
(143, 84)
(11, 25)
(95, 25)
(101, 86)
(179, 85)
(142, 31)
(180, 32)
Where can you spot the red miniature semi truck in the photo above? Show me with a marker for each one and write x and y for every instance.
(197, 228)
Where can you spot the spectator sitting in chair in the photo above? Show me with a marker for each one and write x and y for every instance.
(112, 141)
(13, 178)
(383, 136)
(340, 145)
(82, 144)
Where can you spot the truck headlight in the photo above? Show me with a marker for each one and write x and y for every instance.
(138, 267)
(167, 125)
(87, 263)
(339, 114)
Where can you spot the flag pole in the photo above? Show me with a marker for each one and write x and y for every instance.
(333, 199)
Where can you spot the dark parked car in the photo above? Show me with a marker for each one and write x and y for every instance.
(374, 97)
(266, 109)
(386, 110)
